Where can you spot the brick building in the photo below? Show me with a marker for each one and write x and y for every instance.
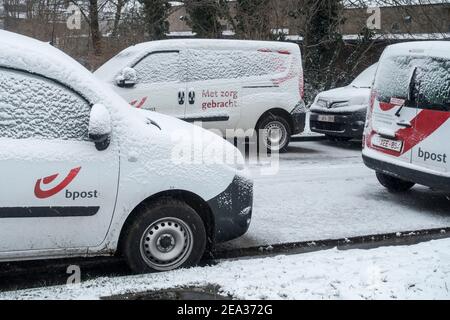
(429, 21)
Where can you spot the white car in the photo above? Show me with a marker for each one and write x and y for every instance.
(224, 84)
(340, 113)
(83, 174)
(408, 127)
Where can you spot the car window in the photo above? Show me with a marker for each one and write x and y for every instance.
(34, 107)
(232, 64)
(160, 67)
(433, 85)
(430, 77)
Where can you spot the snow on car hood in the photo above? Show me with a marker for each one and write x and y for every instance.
(181, 142)
(357, 98)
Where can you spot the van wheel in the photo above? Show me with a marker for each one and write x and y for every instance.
(276, 133)
(394, 184)
(166, 235)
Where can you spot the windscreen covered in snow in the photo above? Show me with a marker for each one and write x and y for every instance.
(34, 107)
(113, 67)
(424, 80)
(365, 79)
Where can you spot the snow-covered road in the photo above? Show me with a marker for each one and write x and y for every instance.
(408, 272)
(324, 191)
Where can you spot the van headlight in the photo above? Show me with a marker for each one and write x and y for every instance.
(340, 104)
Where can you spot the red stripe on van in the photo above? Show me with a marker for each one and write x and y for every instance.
(424, 124)
(385, 106)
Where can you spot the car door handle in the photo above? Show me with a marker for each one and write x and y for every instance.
(191, 96)
(181, 97)
(404, 123)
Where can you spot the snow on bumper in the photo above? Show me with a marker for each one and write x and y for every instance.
(232, 210)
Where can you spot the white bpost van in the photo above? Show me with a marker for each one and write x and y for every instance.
(83, 174)
(407, 129)
(225, 84)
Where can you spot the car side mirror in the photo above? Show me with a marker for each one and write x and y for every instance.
(100, 127)
(127, 78)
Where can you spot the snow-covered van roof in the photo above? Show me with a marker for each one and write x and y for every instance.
(23, 53)
(439, 49)
(133, 54)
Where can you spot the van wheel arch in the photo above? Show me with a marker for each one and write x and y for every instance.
(199, 205)
(278, 117)
(277, 112)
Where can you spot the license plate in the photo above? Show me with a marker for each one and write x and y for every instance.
(388, 144)
(326, 118)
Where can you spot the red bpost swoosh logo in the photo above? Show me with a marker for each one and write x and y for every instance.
(43, 194)
(140, 104)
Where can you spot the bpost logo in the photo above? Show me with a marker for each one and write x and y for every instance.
(41, 193)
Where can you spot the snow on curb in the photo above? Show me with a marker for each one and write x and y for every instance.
(408, 272)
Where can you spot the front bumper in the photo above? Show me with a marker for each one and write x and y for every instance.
(298, 119)
(232, 210)
(349, 125)
(434, 181)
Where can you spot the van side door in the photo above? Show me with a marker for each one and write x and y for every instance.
(213, 88)
(432, 124)
(58, 191)
(161, 83)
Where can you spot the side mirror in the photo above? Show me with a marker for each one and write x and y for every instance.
(100, 127)
(127, 78)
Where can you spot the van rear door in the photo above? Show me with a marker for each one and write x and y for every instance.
(432, 125)
(394, 114)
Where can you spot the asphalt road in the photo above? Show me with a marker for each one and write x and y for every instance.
(322, 190)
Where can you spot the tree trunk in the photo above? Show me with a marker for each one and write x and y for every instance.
(117, 17)
(95, 27)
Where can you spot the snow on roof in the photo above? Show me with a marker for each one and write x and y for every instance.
(133, 54)
(37, 57)
(430, 48)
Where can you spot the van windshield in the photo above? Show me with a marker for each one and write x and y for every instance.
(114, 66)
(421, 81)
(365, 79)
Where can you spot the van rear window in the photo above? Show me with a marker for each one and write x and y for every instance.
(421, 81)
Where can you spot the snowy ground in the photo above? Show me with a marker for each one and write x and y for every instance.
(410, 272)
(324, 191)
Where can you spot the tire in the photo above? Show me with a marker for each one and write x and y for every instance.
(281, 130)
(164, 236)
(338, 139)
(393, 184)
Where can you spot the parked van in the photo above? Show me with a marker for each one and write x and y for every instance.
(407, 128)
(83, 174)
(340, 113)
(224, 84)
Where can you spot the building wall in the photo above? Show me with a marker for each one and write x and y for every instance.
(404, 19)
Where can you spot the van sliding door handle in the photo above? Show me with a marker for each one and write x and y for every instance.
(405, 124)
